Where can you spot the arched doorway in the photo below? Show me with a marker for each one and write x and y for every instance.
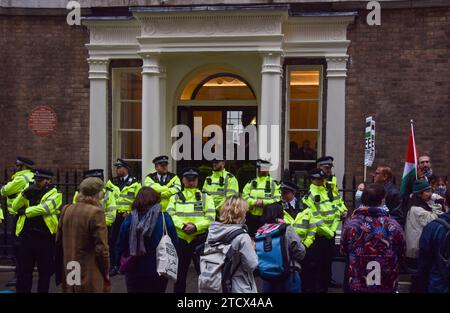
(225, 99)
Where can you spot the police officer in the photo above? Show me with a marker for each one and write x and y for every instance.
(19, 181)
(126, 189)
(326, 164)
(291, 204)
(221, 184)
(259, 192)
(317, 264)
(162, 181)
(192, 211)
(109, 198)
(37, 208)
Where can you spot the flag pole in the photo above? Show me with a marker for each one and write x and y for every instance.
(414, 146)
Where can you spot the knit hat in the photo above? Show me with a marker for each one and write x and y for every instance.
(91, 186)
(421, 185)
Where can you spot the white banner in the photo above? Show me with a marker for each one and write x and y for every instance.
(369, 155)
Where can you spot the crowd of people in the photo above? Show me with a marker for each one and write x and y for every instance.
(267, 231)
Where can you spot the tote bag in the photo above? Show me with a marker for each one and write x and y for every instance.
(166, 256)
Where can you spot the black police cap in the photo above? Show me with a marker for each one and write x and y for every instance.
(122, 163)
(262, 163)
(215, 160)
(161, 159)
(24, 161)
(326, 160)
(190, 172)
(43, 174)
(289, 186)
(94, 173)
(316, 173)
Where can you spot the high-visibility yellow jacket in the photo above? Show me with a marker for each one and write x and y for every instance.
(321, 207)
(19, 181)
(264, 188)
(334, 195)
(191, 206)
(125, 196)
(166, 189)
(108, 205)
(220, 185)
(48, 208)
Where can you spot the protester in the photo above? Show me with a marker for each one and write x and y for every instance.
(430, 270)
(82, 237)
(358, 194)
(373, 244)
(139, 237)
(293, 248)
(383, 176)
(232, 219)
(419, 215)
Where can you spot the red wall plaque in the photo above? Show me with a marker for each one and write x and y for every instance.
(42, 121)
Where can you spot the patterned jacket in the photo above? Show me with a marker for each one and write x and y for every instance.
(374, 246)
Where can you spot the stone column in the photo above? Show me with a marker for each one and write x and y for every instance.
(151, 110)
(98, 114)
(270, 111)
(335, 128)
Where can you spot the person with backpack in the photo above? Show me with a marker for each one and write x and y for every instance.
(434, 253)
(228, 258)
(280, 251)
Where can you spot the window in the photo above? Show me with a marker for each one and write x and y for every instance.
(304, 124)
(127, 120)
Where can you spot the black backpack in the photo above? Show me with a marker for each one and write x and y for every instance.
(444, 251)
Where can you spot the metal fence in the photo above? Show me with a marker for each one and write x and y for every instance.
(67, 181)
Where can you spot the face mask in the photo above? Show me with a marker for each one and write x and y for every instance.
(358, 195)
(441, 190)
(428, 172)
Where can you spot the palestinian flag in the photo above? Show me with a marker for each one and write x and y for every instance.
(411, 160)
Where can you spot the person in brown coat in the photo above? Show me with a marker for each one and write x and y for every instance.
(82, 242)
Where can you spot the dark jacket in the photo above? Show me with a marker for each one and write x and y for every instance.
(431, 279)
(146, 264)
(394, 203)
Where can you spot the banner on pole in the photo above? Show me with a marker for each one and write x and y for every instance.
(369, 155)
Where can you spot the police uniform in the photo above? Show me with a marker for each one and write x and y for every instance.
(190, 206)
(125, 190)
(220, 185)
(263, 188)
(109, 197)
(317, 264)
(330, 184)
(166, 185)
(18, 182)
(37, 209)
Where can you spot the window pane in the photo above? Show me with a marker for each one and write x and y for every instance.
(136, 167)
(131, 86)
(304, 84)
(304, 114)
(298, 172)
(303, 145)
(224, 88)
(131, 145)
(130, 115)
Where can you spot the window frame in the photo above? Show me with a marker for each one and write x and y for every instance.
(319, 129)
(116, 112)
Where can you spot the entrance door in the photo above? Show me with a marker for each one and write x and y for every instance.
(232, 120)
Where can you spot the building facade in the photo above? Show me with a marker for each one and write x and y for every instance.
(119, 82)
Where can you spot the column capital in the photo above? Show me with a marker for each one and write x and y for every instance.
(98, 68)
(150, 63)
(271, 63)
(337, 66)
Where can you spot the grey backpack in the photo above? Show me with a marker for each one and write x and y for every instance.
(217, 264)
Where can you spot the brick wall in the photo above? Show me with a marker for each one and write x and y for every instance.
(400, 70)
(43, 62)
